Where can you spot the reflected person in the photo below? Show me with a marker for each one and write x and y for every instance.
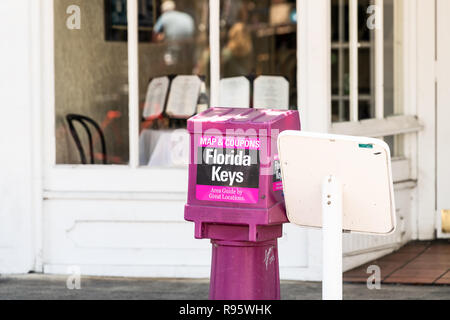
(173, 25)
(237, 54)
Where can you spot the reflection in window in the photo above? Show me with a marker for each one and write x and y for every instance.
(173, 80)
(91, 87)
(116, 19)
(259, 38)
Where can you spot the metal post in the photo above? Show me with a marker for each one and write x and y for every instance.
(332, 239)
(243, 270)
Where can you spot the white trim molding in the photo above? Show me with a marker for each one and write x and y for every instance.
(390, 126)
(426, 104)
(442, 114)
(133, 81)
(36, 102)
(314, 64)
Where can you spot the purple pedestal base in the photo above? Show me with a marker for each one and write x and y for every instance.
(245, 270)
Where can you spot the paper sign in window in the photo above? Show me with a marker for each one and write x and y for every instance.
(271, 92)
(235, 92)
(156, 97)
(183, 97)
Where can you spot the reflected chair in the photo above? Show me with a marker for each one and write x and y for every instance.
(84, 122)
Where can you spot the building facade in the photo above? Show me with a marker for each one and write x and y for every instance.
(372, 68)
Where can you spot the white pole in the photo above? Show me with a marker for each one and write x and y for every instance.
(332, 239)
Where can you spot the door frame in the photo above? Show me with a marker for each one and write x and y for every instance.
(442, 113)
(21, 176)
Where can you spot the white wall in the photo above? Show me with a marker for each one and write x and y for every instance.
(16, 181)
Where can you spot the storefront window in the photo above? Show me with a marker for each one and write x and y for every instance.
(258, 53)
(92, 86)
(91, 82)
(173, 80)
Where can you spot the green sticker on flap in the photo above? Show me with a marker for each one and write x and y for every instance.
(366, 146)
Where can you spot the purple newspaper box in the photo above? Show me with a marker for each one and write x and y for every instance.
(236, 199)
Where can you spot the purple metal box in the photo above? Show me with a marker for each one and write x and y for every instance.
(235, 189)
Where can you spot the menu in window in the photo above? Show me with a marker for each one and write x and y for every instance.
(271, 92)
(183, 97)
(156, 97)
(235, 92)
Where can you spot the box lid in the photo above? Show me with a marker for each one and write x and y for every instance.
(231, 118)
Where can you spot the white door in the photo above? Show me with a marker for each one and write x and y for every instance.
(443, 119)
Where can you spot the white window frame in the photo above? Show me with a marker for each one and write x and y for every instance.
(73, 181)
(405, 122)
(61, 181)
(314, 78)
(379, 126)
(313, 60)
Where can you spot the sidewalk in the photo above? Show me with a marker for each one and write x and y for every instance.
(419, 262)
(45, 287)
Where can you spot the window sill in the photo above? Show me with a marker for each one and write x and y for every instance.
(389, 126)
(115, 179)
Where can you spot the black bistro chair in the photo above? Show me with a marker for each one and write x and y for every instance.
(84, 122)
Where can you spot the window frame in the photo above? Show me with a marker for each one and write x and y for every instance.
(313, 87)
(404, 125)
(376, 46)
(61, 180)
(380, 126)
(75, 180)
